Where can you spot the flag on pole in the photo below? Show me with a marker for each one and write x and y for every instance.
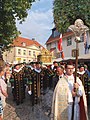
(62, 55)
(85, 37)
(85, 42)
(60, 46)
(60, 43)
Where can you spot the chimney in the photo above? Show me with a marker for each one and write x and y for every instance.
(33, 38)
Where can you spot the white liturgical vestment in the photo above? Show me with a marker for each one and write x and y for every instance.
(70, 80)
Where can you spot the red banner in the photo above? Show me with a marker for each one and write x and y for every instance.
(60, 46)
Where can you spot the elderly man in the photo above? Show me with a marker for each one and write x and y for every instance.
(63, 97)
(59, 74)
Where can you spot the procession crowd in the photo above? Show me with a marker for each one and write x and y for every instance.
(71, 93)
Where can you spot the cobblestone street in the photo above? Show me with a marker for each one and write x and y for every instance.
(24, 111)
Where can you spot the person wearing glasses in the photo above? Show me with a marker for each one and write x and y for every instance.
(64, 92)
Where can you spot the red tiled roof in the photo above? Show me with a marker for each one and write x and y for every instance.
(67, 34)
(18, 42)
(52, 39)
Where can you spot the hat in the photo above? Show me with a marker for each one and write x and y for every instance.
(39, 63)
(55, 62)
(85, 66)
(24, 63)
(32, 63)
(81, 65)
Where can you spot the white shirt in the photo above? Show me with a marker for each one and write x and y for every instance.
(70, 80)
(81, 73)
(18, 69)
(38, 71)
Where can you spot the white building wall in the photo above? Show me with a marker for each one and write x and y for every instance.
(34, 49)
(8, 56)
(21, 57)
(12, 56)
(68, 49)
(53, 44)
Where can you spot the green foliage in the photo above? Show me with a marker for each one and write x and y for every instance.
(10, 10)
(65, 13)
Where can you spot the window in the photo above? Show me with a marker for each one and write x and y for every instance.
(23, 44)
(34, 53)
(29, 53)
(19, 51)
(24, 60)
(24, 52)
(69, 41)
(29, 61)
(74, 52)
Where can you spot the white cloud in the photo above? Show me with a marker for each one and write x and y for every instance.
(37, 25)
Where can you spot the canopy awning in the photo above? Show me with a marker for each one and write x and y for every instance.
(85, 57)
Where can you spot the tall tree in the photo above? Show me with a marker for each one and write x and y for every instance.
(10, 10)
(65, 12)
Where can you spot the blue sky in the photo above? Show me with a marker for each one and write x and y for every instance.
(39, 21)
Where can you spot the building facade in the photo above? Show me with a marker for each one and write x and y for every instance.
(23, 50)
(68, 44)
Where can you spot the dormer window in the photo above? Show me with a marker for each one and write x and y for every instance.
(23, 44)
(55, 33)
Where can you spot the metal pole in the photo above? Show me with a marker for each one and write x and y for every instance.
(76, 66)
(78, 29)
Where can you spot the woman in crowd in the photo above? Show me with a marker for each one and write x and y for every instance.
(3, 92)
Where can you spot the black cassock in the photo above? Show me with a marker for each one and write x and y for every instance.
(37, 77)
(40, 81)
(86, 83)
(19, 86)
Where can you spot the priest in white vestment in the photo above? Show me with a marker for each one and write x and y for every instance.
(63, 98)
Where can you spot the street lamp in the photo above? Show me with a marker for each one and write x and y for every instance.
(78, 29)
